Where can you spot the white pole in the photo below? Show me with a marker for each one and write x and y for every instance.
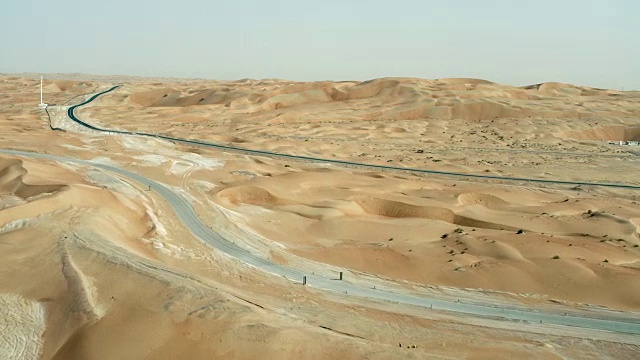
(40, 90)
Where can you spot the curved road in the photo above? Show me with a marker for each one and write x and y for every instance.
(183, 209)
(71, 113)
(188, 216)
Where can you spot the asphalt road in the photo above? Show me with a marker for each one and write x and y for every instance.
(71, 113)
(188, 216)
(184, 210)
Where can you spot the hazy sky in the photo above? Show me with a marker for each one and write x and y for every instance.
(519, 42)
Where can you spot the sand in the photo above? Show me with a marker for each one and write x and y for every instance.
(92, 261)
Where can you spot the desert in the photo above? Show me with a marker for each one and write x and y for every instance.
(388, 218)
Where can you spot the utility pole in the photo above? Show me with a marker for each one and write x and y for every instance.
(42, 104)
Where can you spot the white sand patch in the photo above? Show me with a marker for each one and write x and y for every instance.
(14, 225)
(145, 144)
(160, 229)
(22, 323)
(72, 147)
(157, 244)
(24, 222)
(180, 167)
(250, 235)
(105, 161)
(152, 159)
(10, 200)
(158, 225)
(204, 185)
(175, 251)
(102, 178)
(207, 163)
(636, 222)
(324, 165)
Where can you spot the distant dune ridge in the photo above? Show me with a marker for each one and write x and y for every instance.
(467, 99)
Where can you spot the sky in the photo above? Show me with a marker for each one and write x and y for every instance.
(516, 42)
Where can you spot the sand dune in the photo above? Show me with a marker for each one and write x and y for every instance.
(168, 97)
(159, 97)
(445, 234)
(395, 209)
(607, 133)
(253, 195)
(12, 181)
(69, 305)
(69, 299)
(67, 86)
(487, 200)
(252, 104)
(470, 81)
(91, 261)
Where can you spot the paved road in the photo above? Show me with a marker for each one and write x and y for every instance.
(188, 216)
(71, 113)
